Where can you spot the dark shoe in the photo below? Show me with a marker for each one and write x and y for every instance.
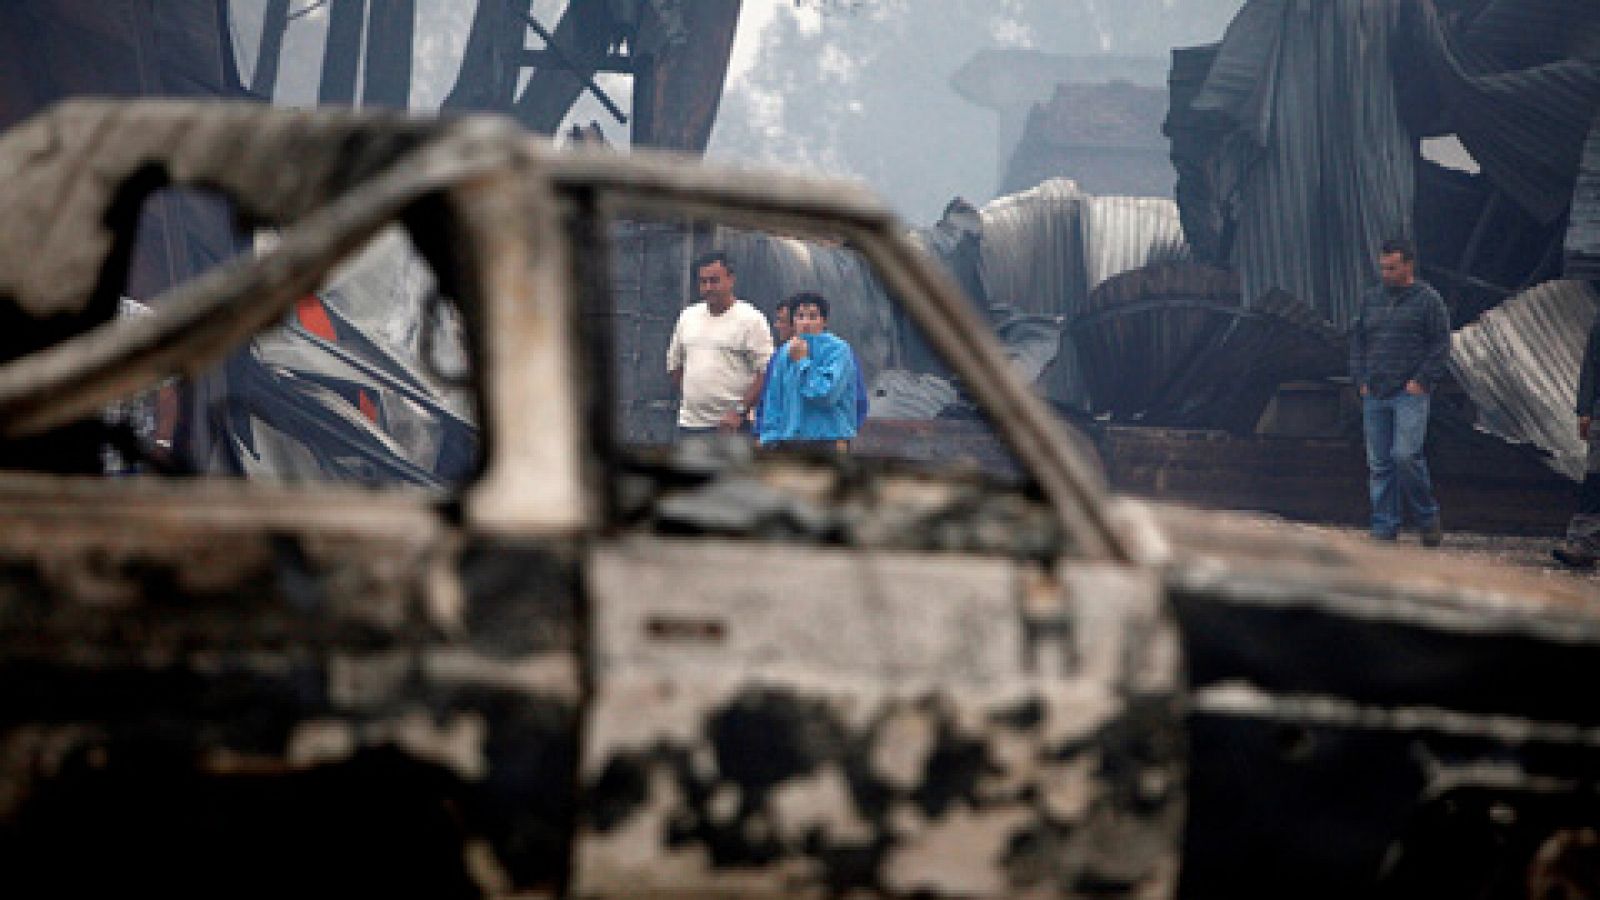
(1570, 553)
(1432, 534)
(1383, 538)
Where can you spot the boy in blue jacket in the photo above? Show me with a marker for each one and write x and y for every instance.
(813, 390)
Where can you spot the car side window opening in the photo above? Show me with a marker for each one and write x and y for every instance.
(891, 407)
(366, 381)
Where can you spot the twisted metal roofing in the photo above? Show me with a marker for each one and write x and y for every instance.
(1296, 152)
(1520, 362)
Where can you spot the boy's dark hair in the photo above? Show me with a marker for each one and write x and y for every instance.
(786, 304)
(715, 256)
(809, 298)
(1400, 245)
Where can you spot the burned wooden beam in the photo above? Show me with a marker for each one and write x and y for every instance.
(274, 25)
(678, 87)
(387, 73)
(580, 42)
(341, 59)
(490, 64)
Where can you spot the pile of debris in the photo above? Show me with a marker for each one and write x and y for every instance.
(1297, 144)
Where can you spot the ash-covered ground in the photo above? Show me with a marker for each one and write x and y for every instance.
(1521, 551)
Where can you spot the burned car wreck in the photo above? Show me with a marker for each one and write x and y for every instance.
(592, 669)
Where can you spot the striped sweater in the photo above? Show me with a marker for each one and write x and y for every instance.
(1400, 335)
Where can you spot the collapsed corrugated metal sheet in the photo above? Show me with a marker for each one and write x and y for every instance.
(1520, 363)
(1128, 233)
(1028, 260)
(1534, 30)
(1174, 345)
(898, 394)
(388, 294)
(1046, 249)
(1206, 186)
(1318, 166)
(1583, 229)
(1477, 246)
(1518, 83)
(1316, 162)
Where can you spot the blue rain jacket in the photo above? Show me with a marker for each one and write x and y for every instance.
(813, 399)
(863, 403)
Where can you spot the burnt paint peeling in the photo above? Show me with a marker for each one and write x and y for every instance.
(521, 598)
(954, 769)
(526, 802)
(766, 738)
(1025, 716)
(622, 787)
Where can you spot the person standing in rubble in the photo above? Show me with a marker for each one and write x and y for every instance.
(1398, 348)
(1581, 548)
(719, 348)
(811, 395)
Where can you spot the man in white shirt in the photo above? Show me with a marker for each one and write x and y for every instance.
(718, 354)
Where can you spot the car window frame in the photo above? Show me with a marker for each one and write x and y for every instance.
(653, 186)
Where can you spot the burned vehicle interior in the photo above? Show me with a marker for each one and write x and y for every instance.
(432, 603)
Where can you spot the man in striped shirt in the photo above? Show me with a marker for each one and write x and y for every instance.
(1398, 349)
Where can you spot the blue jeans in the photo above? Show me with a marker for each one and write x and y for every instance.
(1396, 427)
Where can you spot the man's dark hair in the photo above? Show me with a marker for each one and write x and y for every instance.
(783, 305)
(1400, 245)
(809, 298)
(715, 256)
